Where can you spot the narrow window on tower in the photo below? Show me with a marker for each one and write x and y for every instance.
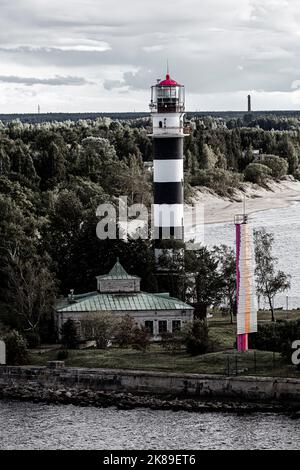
(160, 124)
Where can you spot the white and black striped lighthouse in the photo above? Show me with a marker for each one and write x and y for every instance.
(167, 110)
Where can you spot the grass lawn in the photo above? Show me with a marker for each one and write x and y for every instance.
(224, 359)
(263, 316)
(223, 336)
(224, 362)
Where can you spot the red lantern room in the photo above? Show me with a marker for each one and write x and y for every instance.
(167, 96)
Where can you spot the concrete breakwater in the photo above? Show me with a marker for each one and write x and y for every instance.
(130, 389)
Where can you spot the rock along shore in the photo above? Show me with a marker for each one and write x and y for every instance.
(128, 389)
(127, 401)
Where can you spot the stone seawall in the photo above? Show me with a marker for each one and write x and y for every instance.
(131, 388)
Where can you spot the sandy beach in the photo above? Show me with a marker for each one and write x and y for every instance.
(218, 209)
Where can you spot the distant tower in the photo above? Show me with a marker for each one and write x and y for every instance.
(39, 109)
(167, 110)
(249, 104)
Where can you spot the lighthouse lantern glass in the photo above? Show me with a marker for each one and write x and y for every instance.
(167, 98)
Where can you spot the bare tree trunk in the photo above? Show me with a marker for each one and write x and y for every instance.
(272, 309)
(200, 311)
(231, 309)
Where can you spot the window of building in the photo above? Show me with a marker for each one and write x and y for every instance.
(162, 326)
(176, 326)
(160, 124)
(149, 326)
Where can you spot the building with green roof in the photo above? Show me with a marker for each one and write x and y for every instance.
(119, 293)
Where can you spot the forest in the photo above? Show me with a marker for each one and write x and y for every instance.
(53, 175)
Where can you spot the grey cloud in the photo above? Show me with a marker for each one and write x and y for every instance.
(56, 81)
(64, 58)
(111, 84)
(213, 46)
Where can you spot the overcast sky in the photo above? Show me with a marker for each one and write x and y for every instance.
(103, 55)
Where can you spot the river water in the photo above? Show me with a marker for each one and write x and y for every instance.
(285, 225)
(40, 426)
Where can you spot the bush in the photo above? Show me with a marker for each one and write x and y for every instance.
(223, 182)
(297, 174)
(141, 338)
(276, 337)
(100, 327)
(257, 173)
(62, 355)
(33, 340)
(196, 338)
(125, 331)
(278, 166)
(69, 335)
(171, 342)
(16, 349)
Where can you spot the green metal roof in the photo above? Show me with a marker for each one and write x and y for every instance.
(117, 272)
(125, 302)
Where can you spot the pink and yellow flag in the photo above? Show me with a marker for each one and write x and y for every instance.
(246, 295)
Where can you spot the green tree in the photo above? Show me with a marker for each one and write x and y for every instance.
(69, 334)
(257, 173)
(135, 182)
(171, 342)
(49, 155)
(21, 161)
(125, 332)
(141, 338)
(31, 290)
(269, 281)
(222, 160)
(278, 166)
(227, 269)
(191, 163)
(61, 232)
(205, 284)
(16, 349)
(288, 150)
(209, 158)
(196, 338)
(100, 327)
(4, 161)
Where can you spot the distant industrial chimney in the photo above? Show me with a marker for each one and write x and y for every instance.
(249, 104)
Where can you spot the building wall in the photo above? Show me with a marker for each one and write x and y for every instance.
(118, 285)
(184, 316)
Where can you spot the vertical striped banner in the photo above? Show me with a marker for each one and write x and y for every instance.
(246, 296)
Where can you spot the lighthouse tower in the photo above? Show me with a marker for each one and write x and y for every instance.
(167, 111)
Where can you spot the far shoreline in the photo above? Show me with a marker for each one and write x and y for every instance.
(218, 210)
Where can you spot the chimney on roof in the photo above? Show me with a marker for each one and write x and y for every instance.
(71, 295)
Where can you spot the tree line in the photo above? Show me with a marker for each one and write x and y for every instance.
(54, 175)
